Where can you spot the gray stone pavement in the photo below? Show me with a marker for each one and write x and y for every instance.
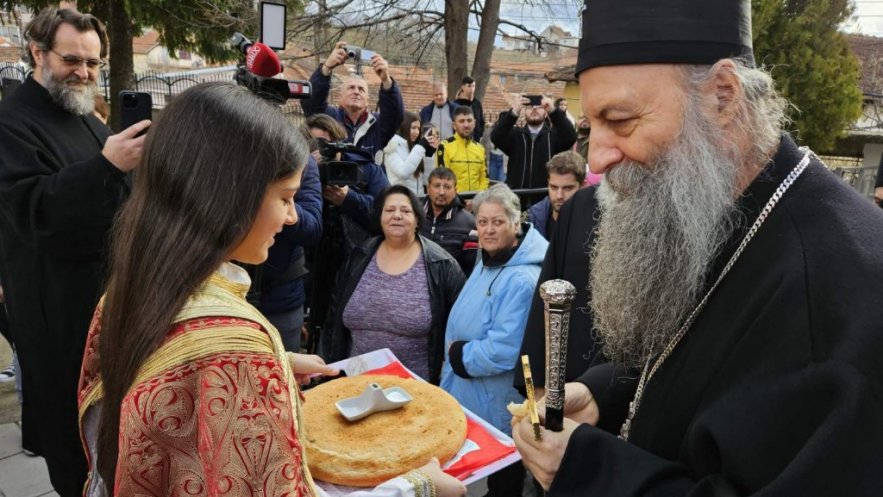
(20, 475)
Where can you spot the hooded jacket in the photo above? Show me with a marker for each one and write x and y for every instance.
(528, 155)
(485, 328)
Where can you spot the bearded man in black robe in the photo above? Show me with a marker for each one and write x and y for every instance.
(735, 283)
(62, 179)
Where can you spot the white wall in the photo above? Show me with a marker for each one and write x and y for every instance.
(872, 153)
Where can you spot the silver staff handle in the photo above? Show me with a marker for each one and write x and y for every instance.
(557, 297)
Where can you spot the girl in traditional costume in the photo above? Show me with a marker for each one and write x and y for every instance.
(186, 389)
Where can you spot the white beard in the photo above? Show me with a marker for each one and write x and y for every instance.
(65, 93)
(661, 227)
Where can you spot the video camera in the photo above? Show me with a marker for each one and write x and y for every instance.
(262, 65)
(341, 172)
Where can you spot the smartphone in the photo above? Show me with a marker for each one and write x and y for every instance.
(535, 99)
(135, 106)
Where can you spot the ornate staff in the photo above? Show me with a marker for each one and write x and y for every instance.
(557, 296)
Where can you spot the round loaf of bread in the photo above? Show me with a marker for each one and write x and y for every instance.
(383, 445)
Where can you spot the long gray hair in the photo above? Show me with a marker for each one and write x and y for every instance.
(761, 114)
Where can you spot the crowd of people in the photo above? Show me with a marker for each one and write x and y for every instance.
(158, 286)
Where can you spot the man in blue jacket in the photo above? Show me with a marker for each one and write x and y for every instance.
(370, 131)
(282, 295)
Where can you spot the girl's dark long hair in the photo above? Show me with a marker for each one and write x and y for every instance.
(207, 163)
(405, 128)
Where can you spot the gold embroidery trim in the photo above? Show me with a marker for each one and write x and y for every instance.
(192, 346)
(415, 482)
(219, 297)
(238, 289)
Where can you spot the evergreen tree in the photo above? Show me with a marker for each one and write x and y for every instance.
(812, 65)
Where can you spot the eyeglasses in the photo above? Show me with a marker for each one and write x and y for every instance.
(73, 61)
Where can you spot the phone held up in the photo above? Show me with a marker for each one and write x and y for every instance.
(135, 106)
(428, 127)
(535, 100)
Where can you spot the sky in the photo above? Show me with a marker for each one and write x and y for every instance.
(869, 18)
(565, 13)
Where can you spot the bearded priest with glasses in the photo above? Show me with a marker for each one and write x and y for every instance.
(62, 178)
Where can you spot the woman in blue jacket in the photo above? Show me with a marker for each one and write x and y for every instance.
(484, 330)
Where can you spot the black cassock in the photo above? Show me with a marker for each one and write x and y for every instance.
(58, 196)
(568, 258)
(777, 388)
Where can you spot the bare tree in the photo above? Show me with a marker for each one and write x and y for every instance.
(456, 29)
(416, 28)
(481, 66)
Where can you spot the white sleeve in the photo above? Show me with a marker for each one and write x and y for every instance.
(404, 167)
(397, 487)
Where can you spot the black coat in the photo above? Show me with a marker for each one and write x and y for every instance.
(776, 388)
(58, 197)
(451, 231)
(443, 276)
(566, 258)
(527, 155)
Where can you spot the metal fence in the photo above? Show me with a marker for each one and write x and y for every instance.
(11, 75)
(860, 178)
(162, 87)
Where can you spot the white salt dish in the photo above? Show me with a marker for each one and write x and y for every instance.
(373, 399)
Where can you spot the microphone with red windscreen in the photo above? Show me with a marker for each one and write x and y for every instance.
(261, 60)
(259, 72)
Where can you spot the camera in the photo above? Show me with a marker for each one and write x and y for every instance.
(535, 99)
(337, 172)
(272, 89)
(358, 53)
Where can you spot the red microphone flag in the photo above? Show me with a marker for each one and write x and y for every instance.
(261, 60)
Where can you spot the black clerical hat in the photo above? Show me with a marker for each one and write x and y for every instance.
(617, 32)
